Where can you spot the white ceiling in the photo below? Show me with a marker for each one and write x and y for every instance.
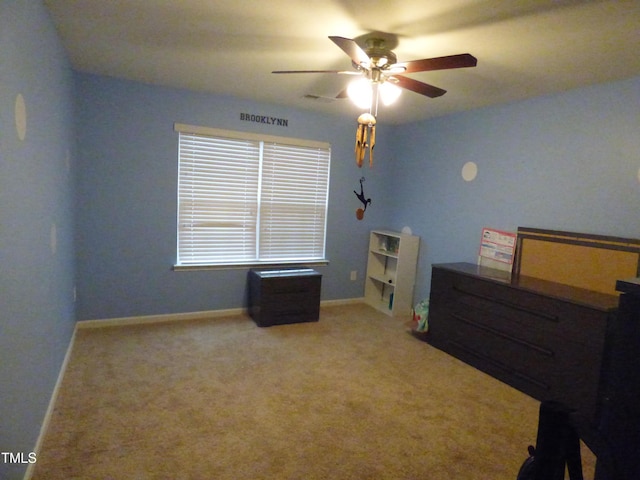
(524, 48)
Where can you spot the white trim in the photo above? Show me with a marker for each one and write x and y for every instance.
(162, 318)
(239, 266)
(52, 403)
(342, 301)
(176, 317)
(217, 132)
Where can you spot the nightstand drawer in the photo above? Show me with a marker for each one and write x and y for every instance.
(289, 285)
(282, 296)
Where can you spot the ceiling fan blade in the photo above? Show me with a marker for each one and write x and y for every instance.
(419, 87)
(340, 72)
(351, 48)
(438, 63)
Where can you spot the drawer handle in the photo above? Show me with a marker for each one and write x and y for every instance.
(501, 366)
(537, 313)
(498, 333)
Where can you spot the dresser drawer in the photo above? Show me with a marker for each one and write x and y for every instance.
(567, 375)
(545, 345)
(533, 317)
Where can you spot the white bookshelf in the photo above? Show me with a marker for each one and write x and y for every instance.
(391, 271)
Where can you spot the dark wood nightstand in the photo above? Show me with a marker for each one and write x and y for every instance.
(284, 295)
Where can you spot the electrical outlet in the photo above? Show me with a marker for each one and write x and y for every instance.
(354, 275)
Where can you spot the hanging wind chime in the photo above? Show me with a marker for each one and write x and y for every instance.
(366, 131)
(365, 138)
(382, 78)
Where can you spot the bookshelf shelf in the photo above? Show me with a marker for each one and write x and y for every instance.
(391, 271)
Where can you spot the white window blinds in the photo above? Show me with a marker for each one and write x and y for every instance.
(246, 199)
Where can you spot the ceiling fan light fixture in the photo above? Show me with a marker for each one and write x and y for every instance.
(389, 93)
(360, 92)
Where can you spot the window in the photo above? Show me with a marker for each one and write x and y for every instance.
(247, 199)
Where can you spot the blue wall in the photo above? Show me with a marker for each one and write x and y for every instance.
(36, 222)
(559, 162)
(127, 168)
(567, 161)
(564, 162)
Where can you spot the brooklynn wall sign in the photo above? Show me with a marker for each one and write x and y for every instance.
(280, 122)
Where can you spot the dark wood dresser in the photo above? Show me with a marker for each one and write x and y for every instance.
(284, 295)
(619, 422)
(548, 340)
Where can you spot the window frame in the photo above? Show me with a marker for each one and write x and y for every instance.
(263, 139)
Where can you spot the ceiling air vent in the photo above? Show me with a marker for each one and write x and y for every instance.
(318, 98)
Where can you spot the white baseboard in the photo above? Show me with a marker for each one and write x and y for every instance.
(52, 403)
(175, 317)
(169, 317)
(341, 301)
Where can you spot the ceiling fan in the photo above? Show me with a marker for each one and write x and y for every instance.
(381, 76)
(379, 65)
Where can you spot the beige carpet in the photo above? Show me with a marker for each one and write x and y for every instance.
(353, 396)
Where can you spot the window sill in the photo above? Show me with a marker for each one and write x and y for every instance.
(241, 266)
